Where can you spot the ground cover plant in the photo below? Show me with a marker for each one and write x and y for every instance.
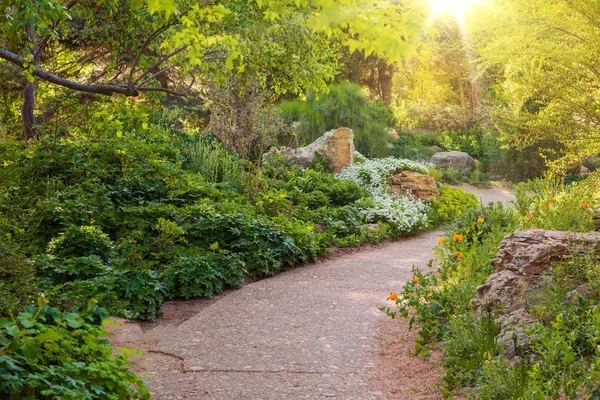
(562, 360)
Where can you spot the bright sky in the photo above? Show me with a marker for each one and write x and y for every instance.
(457, 7)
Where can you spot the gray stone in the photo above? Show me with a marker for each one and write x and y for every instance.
(453, 159)
(521, 272)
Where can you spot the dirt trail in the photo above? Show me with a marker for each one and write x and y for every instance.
(313, 332)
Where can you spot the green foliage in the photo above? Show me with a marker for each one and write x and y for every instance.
(213, 162)
(120, 214)
(18, 281)
(551, 204)
(344, 106)
(45, 353)
(452, 203)
(561, 358)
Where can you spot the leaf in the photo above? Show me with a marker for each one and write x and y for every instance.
(6, 322)
(48, 336)
(13, 330)
(214, 246)
(30, 349)
(73, 320)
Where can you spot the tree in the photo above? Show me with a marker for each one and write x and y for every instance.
(548, 53)
(286, 41)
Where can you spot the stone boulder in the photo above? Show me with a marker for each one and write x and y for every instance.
(454, 159)
(521, 271)
(422, 187)
(336, 145)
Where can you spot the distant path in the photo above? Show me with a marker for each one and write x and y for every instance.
(313, 332)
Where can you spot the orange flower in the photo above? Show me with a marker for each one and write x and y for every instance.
(564, 256)
(393, 296)
(480, 220)
(584, 205)
(568, 207)
(594, 184)
(458, 238)
(535, 227)
(545, 206)
(441, 240)
(416, 280)
(458, 254)
(530, 217)
(553, 200)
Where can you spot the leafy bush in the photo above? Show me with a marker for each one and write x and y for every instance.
(440, 299)
(346, 105)
(561, 358)
(551, 204)
(121, 216)
(453, 202)
(45, 353)
(18, 281)
(214, 162)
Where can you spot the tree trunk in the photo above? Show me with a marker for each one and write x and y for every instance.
(386, 74)
(27, 113)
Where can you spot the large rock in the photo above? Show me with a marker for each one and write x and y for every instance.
(454, 159)
(421, 186)
(521, 271)
(337, 146)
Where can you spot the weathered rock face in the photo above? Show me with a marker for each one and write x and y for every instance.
(454, 159)
(421, 186)
(336, 145)
(520, 271)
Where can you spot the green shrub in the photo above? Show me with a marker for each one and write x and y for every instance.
(45, 353)
(551, 204)
(18, 281)
(216, 165)
(452, 203)
(346, 105)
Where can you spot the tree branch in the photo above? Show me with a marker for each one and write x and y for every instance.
(150, 38)
(88, 88)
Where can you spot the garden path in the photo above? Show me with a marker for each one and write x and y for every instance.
(312, 332)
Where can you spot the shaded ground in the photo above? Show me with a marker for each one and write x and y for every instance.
(313, 332)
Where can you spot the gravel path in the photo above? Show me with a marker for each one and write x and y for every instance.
(313, 332)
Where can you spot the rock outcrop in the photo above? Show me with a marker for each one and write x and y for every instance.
(421, 186)
(454, 159)
(337, 146)
(522, 269)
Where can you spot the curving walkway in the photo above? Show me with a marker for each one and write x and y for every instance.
(308, 333)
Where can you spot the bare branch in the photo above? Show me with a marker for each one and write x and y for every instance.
(157, 64)
(149, 40)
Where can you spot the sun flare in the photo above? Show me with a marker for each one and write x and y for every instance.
(457, 7)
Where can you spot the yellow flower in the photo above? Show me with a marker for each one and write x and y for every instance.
(441, 240)
(480, 220)
(416, 280)
(458, 238)
(393, 296)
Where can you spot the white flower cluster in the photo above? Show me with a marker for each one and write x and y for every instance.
(374, 174)
(404, 213)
